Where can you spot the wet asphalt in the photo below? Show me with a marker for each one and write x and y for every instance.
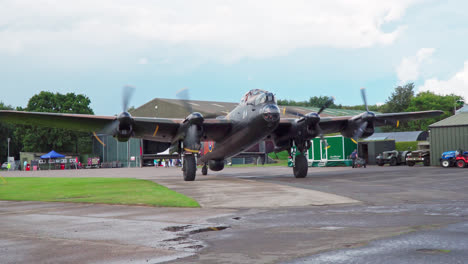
(444, 245)
(406, 215)
(403, 214)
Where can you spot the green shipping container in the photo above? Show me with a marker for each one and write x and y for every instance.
(335, 154)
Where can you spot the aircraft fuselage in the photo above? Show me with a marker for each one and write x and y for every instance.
(253, 119)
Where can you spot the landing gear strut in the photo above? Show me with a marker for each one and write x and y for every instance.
(204, 170)
(189, 167)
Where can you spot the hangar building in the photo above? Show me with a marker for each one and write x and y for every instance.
(449, 134)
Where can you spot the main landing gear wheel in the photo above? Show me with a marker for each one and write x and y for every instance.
(300, 166)
(204, 170)
(189, 168)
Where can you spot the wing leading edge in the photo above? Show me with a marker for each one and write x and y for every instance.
(150, 128)
(337, 124)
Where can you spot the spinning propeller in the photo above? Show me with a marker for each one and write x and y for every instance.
(191, 129)
(313, 119)
(364, 119)
(122, 125)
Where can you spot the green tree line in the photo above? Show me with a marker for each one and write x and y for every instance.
(402, 99)
(37, 139)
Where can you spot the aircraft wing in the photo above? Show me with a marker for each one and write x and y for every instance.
(337, 124)
(340, 123)
(150, 128)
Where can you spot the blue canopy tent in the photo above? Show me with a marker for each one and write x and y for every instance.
(52, 155)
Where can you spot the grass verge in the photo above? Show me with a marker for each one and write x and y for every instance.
(93, 190)
(283, 163)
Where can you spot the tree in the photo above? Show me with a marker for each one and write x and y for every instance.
(400, 99)
(36, 139)
(430, 101)
(7, 131)
(316, 101)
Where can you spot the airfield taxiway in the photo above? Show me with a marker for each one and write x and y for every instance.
(253, 215)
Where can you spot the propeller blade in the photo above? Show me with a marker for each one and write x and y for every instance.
(360, 131)
(326, 105)
(127, 93)
(364, 98)
(184, 97)
(291, 112)
(111, 128)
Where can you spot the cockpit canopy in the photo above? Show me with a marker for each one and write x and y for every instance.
(258, 97)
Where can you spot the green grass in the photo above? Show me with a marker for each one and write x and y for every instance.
(93, 190)
(445, 250)
(283, 155)
(402, 146)
(279, 163)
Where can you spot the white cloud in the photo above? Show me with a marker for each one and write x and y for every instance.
(143, 61)
(220, 30)
(457, 84)
(410, 67)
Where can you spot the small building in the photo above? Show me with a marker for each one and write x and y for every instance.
(369, 150)
(448, 134)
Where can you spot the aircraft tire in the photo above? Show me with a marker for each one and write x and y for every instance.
(190, 168)
(204, 170)
(300, 167)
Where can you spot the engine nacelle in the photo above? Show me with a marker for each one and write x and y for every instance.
(123, 135)
(216, 165)
(124, 130)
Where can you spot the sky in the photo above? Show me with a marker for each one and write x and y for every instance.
(220, 49)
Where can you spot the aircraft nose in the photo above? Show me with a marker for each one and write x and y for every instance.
(271, 113)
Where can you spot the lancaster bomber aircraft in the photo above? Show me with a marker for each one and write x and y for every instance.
(256, 118)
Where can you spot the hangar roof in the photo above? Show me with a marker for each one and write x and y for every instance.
(460, 119)
(400, 136)
(177, 108)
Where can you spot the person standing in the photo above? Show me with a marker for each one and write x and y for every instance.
(353, 157)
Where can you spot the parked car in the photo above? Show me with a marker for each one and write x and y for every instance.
(392, 157)
(423, 156)
(5, 165)
(148, 163)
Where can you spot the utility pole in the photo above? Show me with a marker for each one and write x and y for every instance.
(8, 157)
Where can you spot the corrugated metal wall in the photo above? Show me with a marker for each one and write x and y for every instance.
(115, 151)
(447, 138)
